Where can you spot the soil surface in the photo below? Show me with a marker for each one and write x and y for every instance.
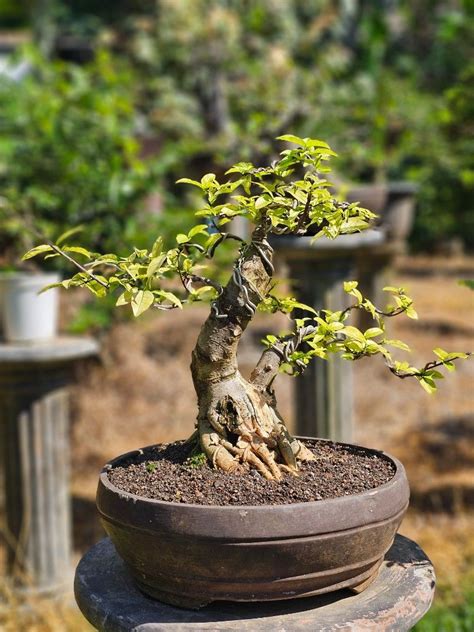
(164, 473)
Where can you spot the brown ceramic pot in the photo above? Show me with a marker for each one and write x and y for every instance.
(189, 555)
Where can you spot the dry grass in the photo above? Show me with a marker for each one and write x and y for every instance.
(39, 615)
(142, 393)
(448, 540)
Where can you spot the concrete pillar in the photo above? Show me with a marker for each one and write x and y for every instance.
(34, 458)
(323, 394)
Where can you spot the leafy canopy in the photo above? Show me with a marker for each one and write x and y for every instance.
(292, 196)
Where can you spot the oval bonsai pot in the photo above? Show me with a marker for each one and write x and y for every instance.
(190, 555)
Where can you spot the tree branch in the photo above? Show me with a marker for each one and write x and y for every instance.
(433, 364)
(78, 265)
(272, 358)
(267, 368)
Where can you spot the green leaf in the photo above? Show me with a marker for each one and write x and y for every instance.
(212, 240)
(69, 233)
(78, 250)
(141, 301)
(398, 344)
(373, 332)
(123, 299)
(315, 143)
(358, 296)
(370, 307)
(261, 202)
(411, 313)
(181, 238)
(270, 339)
(441, 353)
(350, 285)
(241, 167)
(402, 366)
(155, 264)
(433, 374)
(37, 250)
(50, 287)
(428, 384)
(205, 292)
(354, 333)
(169, 296)
(157, 247)
(189, 181)
(207, 180)
(96, 288)
(196, 230)
(458, 354)
(290, 138)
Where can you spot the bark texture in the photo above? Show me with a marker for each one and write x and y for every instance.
(237, 419)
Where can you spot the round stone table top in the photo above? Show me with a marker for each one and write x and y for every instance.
(61, 349)
(399, 596)
(324, 247)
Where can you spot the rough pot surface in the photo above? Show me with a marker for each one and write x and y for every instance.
(190, 555)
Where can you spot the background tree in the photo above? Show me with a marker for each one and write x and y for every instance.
(73, 157)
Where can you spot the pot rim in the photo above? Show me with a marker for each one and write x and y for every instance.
(153, 502)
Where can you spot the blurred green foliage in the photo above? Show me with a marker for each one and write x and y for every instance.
(13, 14)
(445, 617)
(215, 81)
(69, 153)
(406, 109)
(385, 82)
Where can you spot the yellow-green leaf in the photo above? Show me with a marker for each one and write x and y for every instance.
(169, 296)
(350, 285)
(373, 332)
(428, 384)
(155, 264)
(68, 233)
(196, 230)
(78, 250)
(181, 238)
(37, 250)
(411, 313)
(142, 301)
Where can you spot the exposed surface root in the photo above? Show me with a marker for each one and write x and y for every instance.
(237, 425)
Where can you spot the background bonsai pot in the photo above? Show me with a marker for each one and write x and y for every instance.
(393, 202)
(190, 555)
(26, 315)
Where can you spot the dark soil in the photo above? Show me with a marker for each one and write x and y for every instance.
(162, 473)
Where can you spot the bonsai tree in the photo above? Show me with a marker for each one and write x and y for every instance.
(238, 419)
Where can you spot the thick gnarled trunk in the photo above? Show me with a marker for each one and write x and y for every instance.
(237, 419)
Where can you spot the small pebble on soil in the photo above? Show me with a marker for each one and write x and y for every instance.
(162, 473)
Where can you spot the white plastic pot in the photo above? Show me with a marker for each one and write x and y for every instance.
(28, 316)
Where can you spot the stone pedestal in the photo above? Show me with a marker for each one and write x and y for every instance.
(34, 459)
(398, 598)
(317, 271)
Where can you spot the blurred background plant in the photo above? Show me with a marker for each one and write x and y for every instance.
(199, 84)
(69, 153)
